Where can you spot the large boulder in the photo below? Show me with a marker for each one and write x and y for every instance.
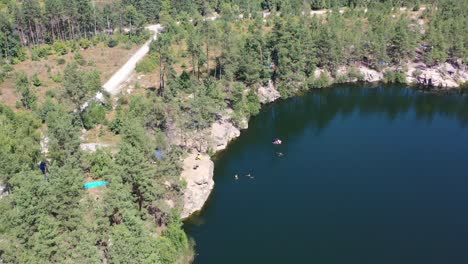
(198, 174)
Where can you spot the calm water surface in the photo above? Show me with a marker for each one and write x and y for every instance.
(369, 175)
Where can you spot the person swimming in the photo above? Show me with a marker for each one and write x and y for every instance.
(236, 177)
(277, 141)
(279, 154)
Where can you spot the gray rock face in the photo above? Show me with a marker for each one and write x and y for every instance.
(92, 147)
(3, 191)
(268, 94)
(198, 174)
(222, 132)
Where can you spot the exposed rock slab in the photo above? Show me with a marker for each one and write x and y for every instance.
(371, 75)
(199, 183)
(92, 147)
(267, 94)
(222, 132)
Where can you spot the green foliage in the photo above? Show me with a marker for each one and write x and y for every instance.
(94, 114)
(57, 78)
(85, 43)
(35, 80)
(61, 48)
(61, 61)
(80, 85)
(99, 163)
(355, 74)
(147, 65)
(19, 142)
(111, 43)
(394, 77)
(23, 87)
(322, 81)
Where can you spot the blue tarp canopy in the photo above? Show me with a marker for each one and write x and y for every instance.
(90, 185)
(159, 154)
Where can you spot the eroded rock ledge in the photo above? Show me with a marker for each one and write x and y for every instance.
(198, 174)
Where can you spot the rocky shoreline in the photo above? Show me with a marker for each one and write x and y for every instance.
(200, 181)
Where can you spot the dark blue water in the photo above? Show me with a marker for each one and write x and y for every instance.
(369, 175)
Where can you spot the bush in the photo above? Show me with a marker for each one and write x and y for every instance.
(22, 54)
(341, 79)
(85, 43)
(61, 61)
(51, 93)
(61, 47)
(81, 62)
(112, 43)
(147, 65)
(394, 77)
(354, 73)
(416, 73)
(322, 81)
(78, 56)
(93, 115)
(46, 108)
(99, 163)
(36, 81)
(57, 78)
(7, 68)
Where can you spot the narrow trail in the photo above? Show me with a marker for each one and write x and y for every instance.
(114, 85)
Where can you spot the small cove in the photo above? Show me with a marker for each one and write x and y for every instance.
(369, 175)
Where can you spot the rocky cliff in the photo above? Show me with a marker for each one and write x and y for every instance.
(198, 174)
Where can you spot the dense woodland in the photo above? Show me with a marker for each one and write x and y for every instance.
(202, 68)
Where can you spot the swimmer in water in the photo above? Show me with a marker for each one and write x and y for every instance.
(279, 154)
(236, 177)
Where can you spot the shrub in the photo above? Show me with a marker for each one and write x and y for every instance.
(57, 78)
(81, 62)
(322, 81)
(85, 43)
(354, 73)
(22, 54)
(94, 114)
(46, 108)
(61, 61)
(51, 93)
(15, 61)
(147, 65)
(112, 43)
(78, 56)
(416, 73)
(61, 47)
(7, 68)
(341, 79)
(394, 77)
(36, 81)
(99, 163)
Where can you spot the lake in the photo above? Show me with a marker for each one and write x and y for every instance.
(368, 175)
